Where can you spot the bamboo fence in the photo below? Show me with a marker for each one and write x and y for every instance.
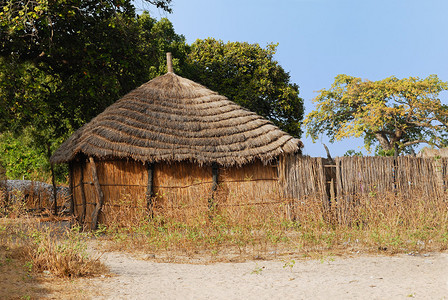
(363, 176)
(307, 179)
(303, 180)
(425, 175)
(376, 176)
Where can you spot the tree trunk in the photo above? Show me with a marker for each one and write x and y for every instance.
(384, 141)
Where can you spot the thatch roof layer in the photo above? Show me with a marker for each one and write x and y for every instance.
(171, 118)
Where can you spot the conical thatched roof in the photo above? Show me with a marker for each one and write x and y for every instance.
(171, 118)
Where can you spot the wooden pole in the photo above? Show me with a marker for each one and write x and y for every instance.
(53, 181)
(215, 175)
(83, 196)
(169, 63)
(70, 183)
(99, 193)
(149, 188)
(339, 190)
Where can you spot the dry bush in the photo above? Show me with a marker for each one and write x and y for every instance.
(396, 223)
(367, 223)
(243, 229)
(48, 247)
(14, 209)
(388, 222)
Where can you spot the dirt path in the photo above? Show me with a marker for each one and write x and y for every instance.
(363, 277)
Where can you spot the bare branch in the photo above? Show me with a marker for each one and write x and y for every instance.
(410, 143)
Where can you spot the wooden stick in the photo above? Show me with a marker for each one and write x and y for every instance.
(82, 218)
(149, 188)
(99, 194)
(55, 211)
(215, 174)
(169, 63)
(53, 181)
(70, 183)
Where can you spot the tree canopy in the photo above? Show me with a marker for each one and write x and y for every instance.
(396, 113)
(74, 77)
(63, 62)
(249, 75)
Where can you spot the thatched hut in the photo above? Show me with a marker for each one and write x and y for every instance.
(426, 152)
(172, 144)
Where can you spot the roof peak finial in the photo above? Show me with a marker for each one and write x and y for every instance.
(169, 63)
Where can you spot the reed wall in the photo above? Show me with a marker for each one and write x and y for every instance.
(250, 191)
(122, 182)
(181, 190)
(426, 175)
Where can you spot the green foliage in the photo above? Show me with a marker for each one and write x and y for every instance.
(397, 113)
(65, 61)
(257, 270)
(382, 152)
(40, 20)
(55, 77)
(23, 159)
(249, 75)
(24, 91)
(289, 264)
(19, 159)
(353, 153)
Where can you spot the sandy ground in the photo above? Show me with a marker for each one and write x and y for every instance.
(359, 277)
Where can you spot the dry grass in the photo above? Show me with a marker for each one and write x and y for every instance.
(389, 224)
(44, 258)
(50, 247)
(15, 280)
(18, 282)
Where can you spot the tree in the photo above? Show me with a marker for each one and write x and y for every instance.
(95, 58)
(63, 62)
(249, 75)
(34, 29)
(87, 46)
(396, 113)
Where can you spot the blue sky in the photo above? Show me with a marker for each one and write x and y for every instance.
(319, 39)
